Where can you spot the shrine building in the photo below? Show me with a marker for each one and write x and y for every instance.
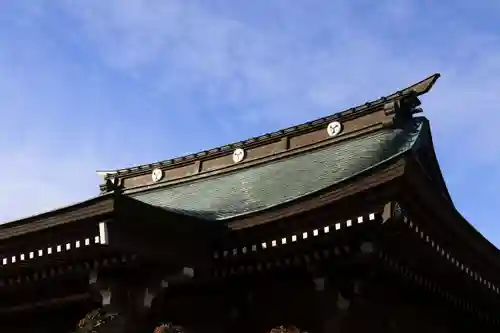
(341, 224)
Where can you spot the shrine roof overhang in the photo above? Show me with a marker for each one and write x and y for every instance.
(108, 224)
(108, 206)
(424, 199)
(287, 178)
(93, 207)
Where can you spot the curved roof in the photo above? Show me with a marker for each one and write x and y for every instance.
(417, 89)
(270, 184)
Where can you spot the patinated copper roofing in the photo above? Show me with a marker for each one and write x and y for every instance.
(294, 172)
(250, 190)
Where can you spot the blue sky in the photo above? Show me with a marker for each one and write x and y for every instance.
(92, 84)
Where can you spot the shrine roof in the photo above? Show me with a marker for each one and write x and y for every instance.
(417, 89)
(250, 190)
(266, 181)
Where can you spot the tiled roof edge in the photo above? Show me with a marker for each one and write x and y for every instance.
(417, 89)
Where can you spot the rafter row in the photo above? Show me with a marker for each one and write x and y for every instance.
(290, 239)
(447, 255)
(436, 289)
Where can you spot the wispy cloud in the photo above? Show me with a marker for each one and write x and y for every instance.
(139, 74)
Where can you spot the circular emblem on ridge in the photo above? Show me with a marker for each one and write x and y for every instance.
(157, 175)
(238, 155)
(334, 128)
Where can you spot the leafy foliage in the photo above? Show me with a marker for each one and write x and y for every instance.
(94, 320)
(169, 328)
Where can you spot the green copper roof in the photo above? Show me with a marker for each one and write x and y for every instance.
(261, 187)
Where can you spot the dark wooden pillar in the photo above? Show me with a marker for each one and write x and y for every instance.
(346, 296)
(239, 298)
(329, 314)
(129, 294)
(347, 307)
(270, 300)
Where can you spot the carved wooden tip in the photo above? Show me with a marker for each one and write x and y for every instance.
(423, 86)
(416, 89)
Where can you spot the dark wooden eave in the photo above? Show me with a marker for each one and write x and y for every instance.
(94, 207)
(436, 246)
(108, 225)
(456, 233)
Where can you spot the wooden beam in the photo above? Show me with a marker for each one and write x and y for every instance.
(47, 303)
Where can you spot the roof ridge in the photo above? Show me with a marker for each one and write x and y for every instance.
(416, 89)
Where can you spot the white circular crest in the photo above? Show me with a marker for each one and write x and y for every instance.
(334, 128)
(157, 175)
(238, 155)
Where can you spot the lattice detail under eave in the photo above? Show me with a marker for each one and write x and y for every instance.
(62, 270)
(294, 260)
(447, 255)
(50, 249)
(436, 289)
(294, 238)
